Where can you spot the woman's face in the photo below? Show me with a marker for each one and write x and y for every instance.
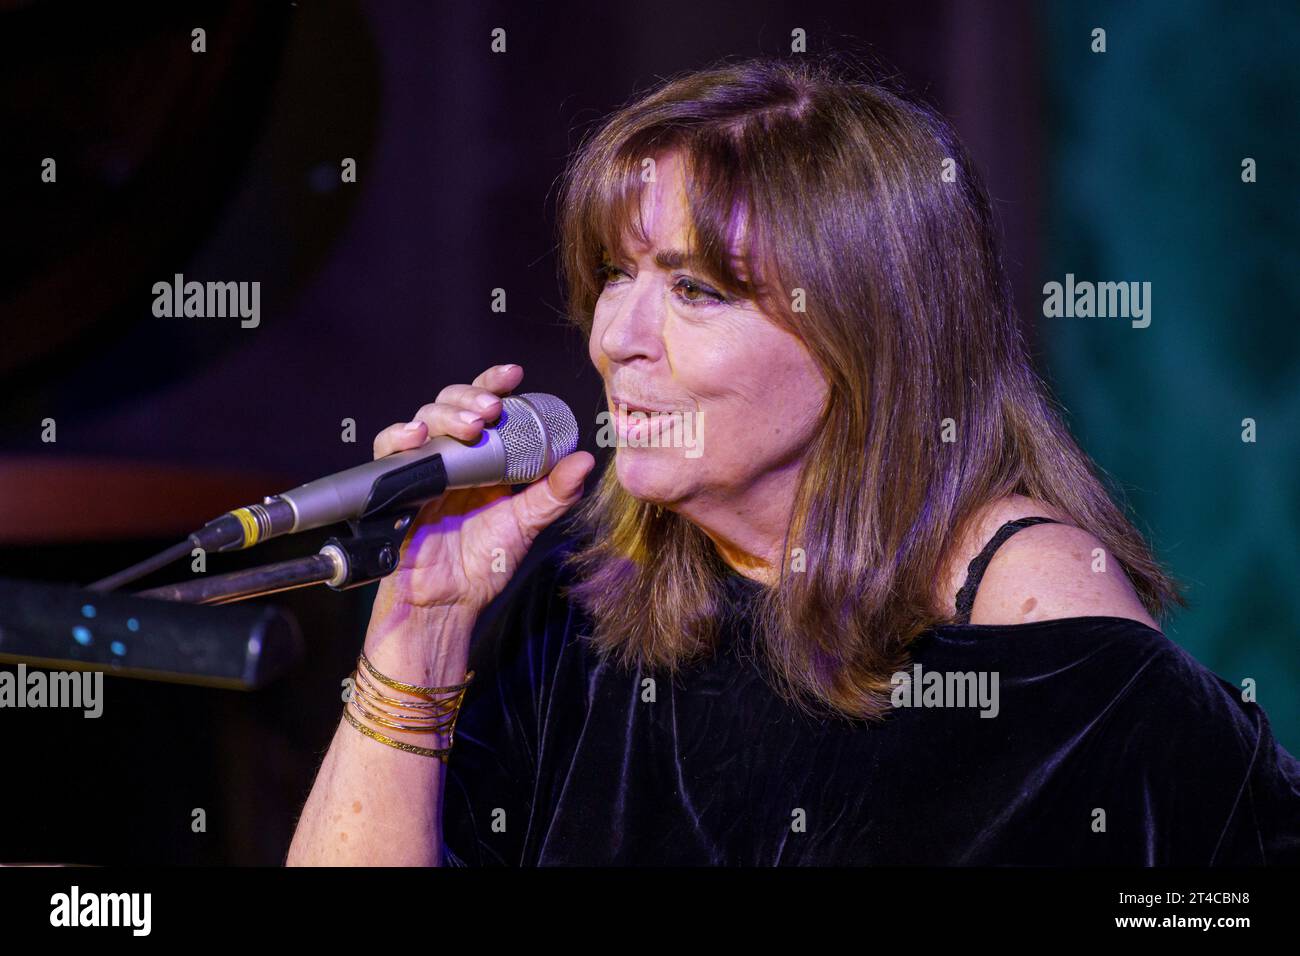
(742, 396)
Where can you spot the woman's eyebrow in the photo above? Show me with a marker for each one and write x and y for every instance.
(675, 259)
(668, 259)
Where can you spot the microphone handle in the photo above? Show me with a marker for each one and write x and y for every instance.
(406, 478)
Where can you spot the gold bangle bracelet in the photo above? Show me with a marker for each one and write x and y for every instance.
(419, 721)
(412, 688)
(396, 744)
(443, 718)
(383, 721)
(424, 709)
(374, 693)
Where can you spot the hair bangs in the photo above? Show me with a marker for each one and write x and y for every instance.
(606, 202)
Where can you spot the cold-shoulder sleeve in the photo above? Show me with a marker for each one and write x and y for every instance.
(492, 769)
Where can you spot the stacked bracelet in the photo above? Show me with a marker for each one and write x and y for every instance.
(425, 714)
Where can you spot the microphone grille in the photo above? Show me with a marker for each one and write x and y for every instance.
(537, 430)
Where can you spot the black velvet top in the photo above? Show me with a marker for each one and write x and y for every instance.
(1108, 745)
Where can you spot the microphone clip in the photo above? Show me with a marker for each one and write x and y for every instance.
(395, 499)
(371, 551)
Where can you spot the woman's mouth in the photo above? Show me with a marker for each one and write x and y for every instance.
(641, 425)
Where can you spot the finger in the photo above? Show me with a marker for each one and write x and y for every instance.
(471, 398)
(446, 419)
(400, 437)
(500, 379)
(542, 502)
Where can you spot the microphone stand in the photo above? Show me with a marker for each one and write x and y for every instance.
(367, 555)
(167, 639)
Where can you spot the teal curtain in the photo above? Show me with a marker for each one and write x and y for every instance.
(1144, 183)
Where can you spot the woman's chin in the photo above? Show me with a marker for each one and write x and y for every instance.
(646, 479)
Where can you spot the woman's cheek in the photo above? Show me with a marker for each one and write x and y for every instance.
(705, 355)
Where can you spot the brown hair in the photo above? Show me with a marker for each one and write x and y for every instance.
(909, 316)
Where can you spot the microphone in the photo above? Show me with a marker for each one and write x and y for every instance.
(534, 432)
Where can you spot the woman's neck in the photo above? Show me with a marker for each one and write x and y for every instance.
(749, 529)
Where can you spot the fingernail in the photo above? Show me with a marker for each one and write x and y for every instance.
(506, 368)
(413, 426)
(485, 402)
(469, 418)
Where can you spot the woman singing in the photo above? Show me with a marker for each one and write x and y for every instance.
(881, 610)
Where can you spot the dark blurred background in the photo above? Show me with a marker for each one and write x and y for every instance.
(225, 165)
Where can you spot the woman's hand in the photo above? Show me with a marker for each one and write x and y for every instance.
(459, 553)
(463, 547)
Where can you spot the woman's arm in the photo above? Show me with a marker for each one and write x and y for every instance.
(373, 804)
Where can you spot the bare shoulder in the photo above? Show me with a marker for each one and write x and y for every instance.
(1045, 571)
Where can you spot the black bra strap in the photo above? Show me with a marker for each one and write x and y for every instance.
(975, 570)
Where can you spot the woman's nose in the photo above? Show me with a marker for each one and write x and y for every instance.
(635, 329)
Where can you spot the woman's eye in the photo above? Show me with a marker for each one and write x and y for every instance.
(608, 272)
(696, 292)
